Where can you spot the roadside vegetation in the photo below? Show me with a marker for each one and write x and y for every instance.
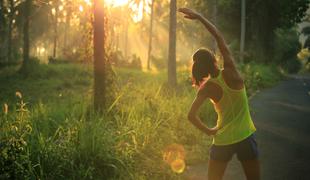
(49, 130)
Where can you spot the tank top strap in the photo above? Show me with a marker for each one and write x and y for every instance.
(218, 80)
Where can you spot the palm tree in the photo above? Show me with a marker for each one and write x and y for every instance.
(55, 29)
(172, 75)
(242, 37)
(150, 37)
(26, 47)
(2, 30)
(10, 29)
(67, 25)
(99, 56)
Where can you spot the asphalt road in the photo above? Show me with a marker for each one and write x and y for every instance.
(282, 117)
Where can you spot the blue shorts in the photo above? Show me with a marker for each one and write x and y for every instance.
(246, 150)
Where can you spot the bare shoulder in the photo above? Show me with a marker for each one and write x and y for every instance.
(211, 90)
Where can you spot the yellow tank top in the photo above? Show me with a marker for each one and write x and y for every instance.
(234, 119)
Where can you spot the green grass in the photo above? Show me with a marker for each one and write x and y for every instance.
(56, 135)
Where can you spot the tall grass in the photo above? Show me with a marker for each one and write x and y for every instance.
(58, 136)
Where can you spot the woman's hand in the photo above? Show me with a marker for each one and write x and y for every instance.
(227, 56)
(189, 14)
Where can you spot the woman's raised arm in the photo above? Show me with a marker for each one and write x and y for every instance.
(228, 59)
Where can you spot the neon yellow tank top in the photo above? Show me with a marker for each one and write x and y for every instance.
(234, 119)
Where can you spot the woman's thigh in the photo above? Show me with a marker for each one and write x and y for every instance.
(216, 169)
(251, 169)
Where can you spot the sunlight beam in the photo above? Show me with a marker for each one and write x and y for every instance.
(116, 3)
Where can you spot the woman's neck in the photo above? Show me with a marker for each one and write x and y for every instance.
(215, 73)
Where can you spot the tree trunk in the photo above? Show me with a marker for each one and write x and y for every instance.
(172, 77)
(26, 47)
(243, 23)
(150, 37)
(10, 28)
(2, 32)
(126, 37)
(67, 26)
(99, 56)
(9, 51)
(2, 17)
(55, 31)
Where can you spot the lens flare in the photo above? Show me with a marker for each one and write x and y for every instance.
(178, 166)
(174, 155)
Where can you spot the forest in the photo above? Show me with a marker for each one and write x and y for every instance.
(100, 89)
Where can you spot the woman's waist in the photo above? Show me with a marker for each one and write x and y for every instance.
(239, 124)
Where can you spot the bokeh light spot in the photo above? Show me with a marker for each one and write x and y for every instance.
(174, 155)
(178, 166)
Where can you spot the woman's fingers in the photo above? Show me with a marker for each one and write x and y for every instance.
(182, 9)
(185, 10)
(189, 14)
(189, 17)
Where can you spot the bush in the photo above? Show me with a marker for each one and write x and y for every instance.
(286, 49)
(259, 76)
(117, 59)
(160, 63)
(14, 134)
(135, 62)
(52, 60)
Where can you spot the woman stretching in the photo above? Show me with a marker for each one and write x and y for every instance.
(233, 133)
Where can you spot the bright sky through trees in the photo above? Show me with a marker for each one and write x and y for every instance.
(137, 7)
(115, 3)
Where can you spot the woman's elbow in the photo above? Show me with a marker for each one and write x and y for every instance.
(191, 116)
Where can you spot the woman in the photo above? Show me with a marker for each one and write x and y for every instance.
(233, 133)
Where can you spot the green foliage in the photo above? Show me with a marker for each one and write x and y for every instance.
(263, 18)
(117, 59)
(14, 155)
(258, 76)
(159, 62)
(306, 31)
(304, 58)
(135, 62)
(286, 49)
(59, 136)
(52, 60)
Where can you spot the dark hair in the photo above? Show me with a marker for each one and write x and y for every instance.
(204, 64)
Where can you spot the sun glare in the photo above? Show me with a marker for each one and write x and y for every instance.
(138, 9)
(174, 155)
(88, 2)
(81, 8)
(115, 3)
